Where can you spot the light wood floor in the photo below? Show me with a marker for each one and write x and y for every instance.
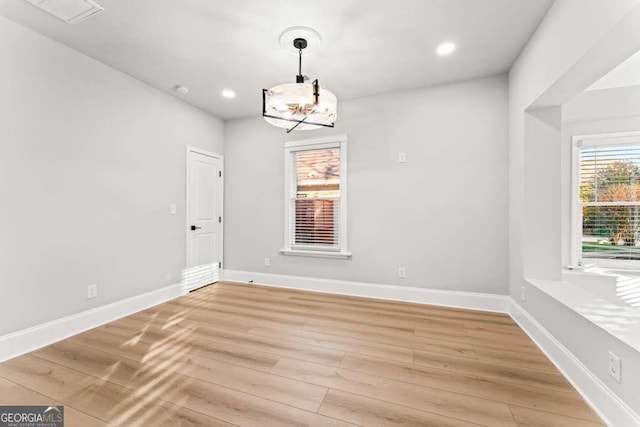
(232, 354)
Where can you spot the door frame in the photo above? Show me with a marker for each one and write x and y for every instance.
(220, 201)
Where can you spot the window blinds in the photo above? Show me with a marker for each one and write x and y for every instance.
(315, 198)
(610, 199)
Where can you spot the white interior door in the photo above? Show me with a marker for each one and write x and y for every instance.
(204, 219)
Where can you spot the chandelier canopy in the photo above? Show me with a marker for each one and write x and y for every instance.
(300, 105)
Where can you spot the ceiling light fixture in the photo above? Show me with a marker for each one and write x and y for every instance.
(445, 48)
(300, 105)
(228, 93)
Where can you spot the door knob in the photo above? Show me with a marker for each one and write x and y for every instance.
(194, 228)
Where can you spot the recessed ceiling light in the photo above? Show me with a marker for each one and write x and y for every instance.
(228, 93)
(181, 89)
(446, 48)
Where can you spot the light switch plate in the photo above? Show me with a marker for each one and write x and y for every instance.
(172, 209)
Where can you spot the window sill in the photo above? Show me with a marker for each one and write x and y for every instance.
(622, 322)
(631, 269)
(316, 254)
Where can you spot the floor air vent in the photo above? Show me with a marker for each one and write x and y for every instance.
(70, 11)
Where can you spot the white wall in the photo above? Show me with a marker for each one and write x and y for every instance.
(541, 258)
(90, 160)
(442, 214)
(565, 52)
(593, 105)
(626, 74)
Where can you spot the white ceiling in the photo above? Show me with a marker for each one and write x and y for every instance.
(625, 74)
(369, 46)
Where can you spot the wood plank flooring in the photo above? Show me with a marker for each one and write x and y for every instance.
(235, 354)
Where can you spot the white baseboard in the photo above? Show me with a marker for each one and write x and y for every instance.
(468, 300)
(607, 405)
(35, 337)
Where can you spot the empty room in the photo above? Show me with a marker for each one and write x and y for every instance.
(320, 213)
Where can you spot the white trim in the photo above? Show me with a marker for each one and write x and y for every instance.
(220, 201)
(577, 143)
(468, 300)
(197, 150)
(336, 141)
(316, 141)
(344, 195)
(576, 211)
(288, 188)
(603, 401)
(316, 254)
(618, 264)
(612, 138)
(35, 337)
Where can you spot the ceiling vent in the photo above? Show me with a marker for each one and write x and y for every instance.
(70, 11)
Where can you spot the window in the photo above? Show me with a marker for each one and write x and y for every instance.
(316, 197)
(607, 200)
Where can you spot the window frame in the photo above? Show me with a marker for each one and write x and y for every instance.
(291, 147)
(577, 143)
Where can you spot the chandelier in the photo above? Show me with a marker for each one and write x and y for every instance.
(300, 105)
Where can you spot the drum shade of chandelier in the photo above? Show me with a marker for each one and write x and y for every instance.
(299, 105)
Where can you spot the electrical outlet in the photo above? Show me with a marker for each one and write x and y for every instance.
(402, 273)
(402, 157)
(267, 262)
(614, 367)
(92, 291)
(523, 293)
